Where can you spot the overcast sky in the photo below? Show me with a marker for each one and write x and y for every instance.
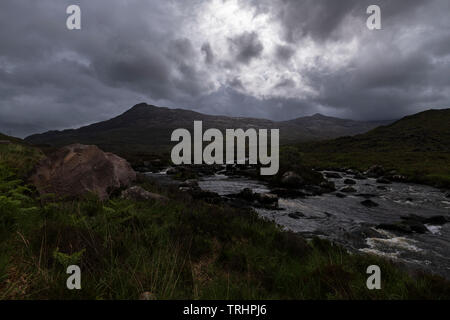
(276, 59)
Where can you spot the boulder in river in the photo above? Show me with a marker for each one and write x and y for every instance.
(407, 226)
(327, 186)
(76, 170)
(292, 180)
(369, 204)
(348, 190)
(396, 227)
(383, 180)
(332, 175)
(375, 171)
(191, 183)
(262, 200)
(296, 215)
(398, 178)
(288, 193)
(349, 182)
(359, 176)
(437, 220)
(366, 195)
(267, 200)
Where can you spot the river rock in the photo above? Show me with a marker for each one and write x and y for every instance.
(375, 171)
(437, 220)
(261, 200)
(366, 195)
(191, 183)
(348, 190)
(288, 193)
(398, 178)
(397, 227)
(292, 180)
(76, 170)
(383, 180)
(296, 215)
(349, 182)
(327, 186)
(267, 200)
(333, 175)
(410, 224)
(340, 195)
(138, 193)
(369, 204)
(359, 176)
(172, 171)
(415, 226)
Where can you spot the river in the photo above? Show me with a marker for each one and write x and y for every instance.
(347, 222)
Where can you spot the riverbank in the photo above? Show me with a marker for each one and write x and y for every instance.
(182, 248)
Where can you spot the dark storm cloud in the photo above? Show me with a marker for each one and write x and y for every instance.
(284, 53)
(155, 51)
(246, 47)
(208, 52)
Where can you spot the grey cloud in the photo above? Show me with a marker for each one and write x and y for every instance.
(284, 53)
(246, 47)
(208, 52)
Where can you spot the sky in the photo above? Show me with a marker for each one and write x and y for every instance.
(275, 59)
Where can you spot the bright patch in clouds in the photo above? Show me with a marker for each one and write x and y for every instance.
(219, 22)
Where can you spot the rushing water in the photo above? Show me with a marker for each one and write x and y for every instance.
(348, 222)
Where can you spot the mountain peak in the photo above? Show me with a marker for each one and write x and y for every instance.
(139, 106)
(318, 115)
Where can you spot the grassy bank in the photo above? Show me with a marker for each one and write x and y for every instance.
(430, 168)
(180, 249)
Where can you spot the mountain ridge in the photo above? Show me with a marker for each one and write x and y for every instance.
(147, 126)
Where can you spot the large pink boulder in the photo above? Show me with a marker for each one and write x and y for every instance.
(75, 170)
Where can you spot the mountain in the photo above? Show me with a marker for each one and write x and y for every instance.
(146, 128)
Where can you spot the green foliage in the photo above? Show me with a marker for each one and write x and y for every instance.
(67, 260)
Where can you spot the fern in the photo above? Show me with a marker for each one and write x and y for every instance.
(67, 260)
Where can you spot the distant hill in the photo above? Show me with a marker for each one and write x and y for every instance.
(4, 137)
(146, 128)
(428, 131)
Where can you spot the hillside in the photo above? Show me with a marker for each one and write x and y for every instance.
(4, 138)
(422, 132)
(146, 128)
(417, 146)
